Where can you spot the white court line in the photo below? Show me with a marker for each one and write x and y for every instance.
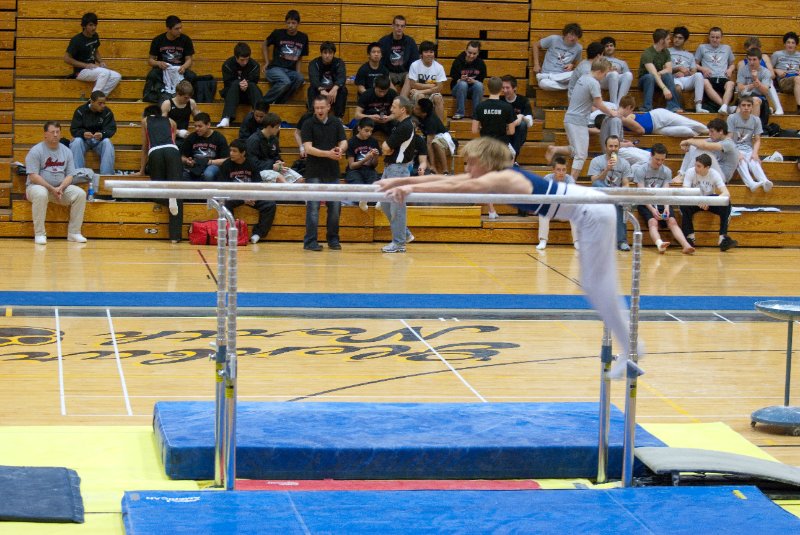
(119, 364)
(60, 366)
(421, 339)
(674, 317)
(723, 317)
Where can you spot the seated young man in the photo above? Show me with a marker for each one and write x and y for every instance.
(171, 57)
(203, 151)
(440, 146)
(765, 61)
(608, 170)
(684, 68)
(376, 104)
(92, 128)
(240, 74)
(754, 80)
(398, 51)
(363, 153)
(655, 69)
(619, 79)
(522, 111)
(722, 149)
(180, 109)
(254, 120)
(327, 77)
(237, 168)
(745, 130)
(658, 121)
(372, 69)
(710, 183)
(559, 174)
(786, 63)
(466, 78)
(562, 56)
(263, 147)
(715, 60)
(83, 53)
(426, 78)
(282, 69)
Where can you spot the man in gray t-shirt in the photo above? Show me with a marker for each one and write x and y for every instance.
(563, 54)
(745, 130)
(50, 168)
(724, 156)
(754, 79)
(684, 68)
(610, 171)
(715, 61)
(786, 63)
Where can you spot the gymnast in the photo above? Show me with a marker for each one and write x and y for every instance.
(488, 170)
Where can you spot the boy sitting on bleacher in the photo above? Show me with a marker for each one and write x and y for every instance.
(563, 54)
(83, 53)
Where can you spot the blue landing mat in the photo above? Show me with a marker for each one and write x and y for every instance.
(393, 440)
(40, 494)
(665, 510)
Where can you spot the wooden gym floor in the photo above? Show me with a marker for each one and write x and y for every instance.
(110, 365)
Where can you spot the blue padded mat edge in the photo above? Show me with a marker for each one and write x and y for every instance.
(40, 494)
(393, 440)
(656, 510)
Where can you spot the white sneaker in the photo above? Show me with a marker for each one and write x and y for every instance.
(542, 245)
(409, 237)
(493, 215)
(78, 238)
(173, 206)
(363, 206)
(225, 122)
(767, 185)
(577, 246)
(40, 239)
(779, 111)
(700, 109)
(254, 238)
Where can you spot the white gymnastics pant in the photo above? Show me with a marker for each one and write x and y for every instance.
(544, 229)
(695, 81)
(748, 166)
(578, 137)
(672, 124)
(618, 84)
(554, 81)
(105, 80)
(635, 155)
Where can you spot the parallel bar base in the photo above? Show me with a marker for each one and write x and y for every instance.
(778, 416)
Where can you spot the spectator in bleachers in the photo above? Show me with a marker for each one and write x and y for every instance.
(283, 71)
(50, 168)
(586, 94)
(655, 69)
(657, 121)
(203, 151)
(171, 57)
(593, 51)
(684, 68)
(371, 70)
(559, 174)
(254, 120)
(787, 66)
(83, 53)
(716, 62)
(755, 80)
(180, 109)
(606, 126)
(327, 77)
(325, 143)
(745, 129)
(92, 128)
(563, 54)
(522, 112)
(710, 183)
(440, 146)
(608, 170)
(399, 51)
(376, 104)
(654, 174)
(494, 117)
(619, 79)
(263, 146)
(240, 74)
(766, 62)
(237, 168)
(466, 78)
(161, 159)
(398, 150)
(363, 153)
(721, 148)
(426, 78)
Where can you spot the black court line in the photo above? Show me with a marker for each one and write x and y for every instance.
(208, 267)
(545, 264)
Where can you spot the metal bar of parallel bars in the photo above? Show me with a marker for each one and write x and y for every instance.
(221, 350)
(604, 418)
(231, 362)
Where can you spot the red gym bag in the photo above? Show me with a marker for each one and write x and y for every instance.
(205, 232)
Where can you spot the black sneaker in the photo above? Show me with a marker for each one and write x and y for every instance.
(727, 243)
(335, 246)
(314, 247)
(691, 241)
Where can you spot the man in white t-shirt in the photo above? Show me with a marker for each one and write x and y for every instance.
(563, 54)
(710, 183)
(426, 78)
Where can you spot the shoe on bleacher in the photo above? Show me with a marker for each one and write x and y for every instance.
(40, 239)
(409, 237)
(77, 238)
(457, 116)
(225, 122)
(700, 109)
(767, 185)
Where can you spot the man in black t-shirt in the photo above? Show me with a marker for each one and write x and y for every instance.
(254, 120)
(372, 69)
(494, 117)
(171, 49)
(325, 143)
(203, 151)
(83, 53)
(240, 74)
(238, 169)
(326, 77)
(376, 104)
(283, 70)
(399, 51)
(362, 154)
(466, 78)
(439, 143)
(522, 112)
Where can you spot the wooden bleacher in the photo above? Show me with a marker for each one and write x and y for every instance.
(34, 87)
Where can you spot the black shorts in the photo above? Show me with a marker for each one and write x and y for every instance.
(647, 215)
(164, 164)
(718, 84)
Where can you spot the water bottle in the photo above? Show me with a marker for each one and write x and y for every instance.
(90, 194)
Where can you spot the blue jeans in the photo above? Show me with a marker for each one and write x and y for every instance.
(104, 148)
(312, 217)
(622, 230)
(460, 92)
(396, 212)
(518, 139)
(647, 84)
(282, 83)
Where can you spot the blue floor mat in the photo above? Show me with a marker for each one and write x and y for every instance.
(40, 494)
(393, 440)
(657, 511)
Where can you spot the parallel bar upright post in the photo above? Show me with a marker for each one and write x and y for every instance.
(231, 364)
(605, 407)
(788, 386)
(633, 370)
(221, 352)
